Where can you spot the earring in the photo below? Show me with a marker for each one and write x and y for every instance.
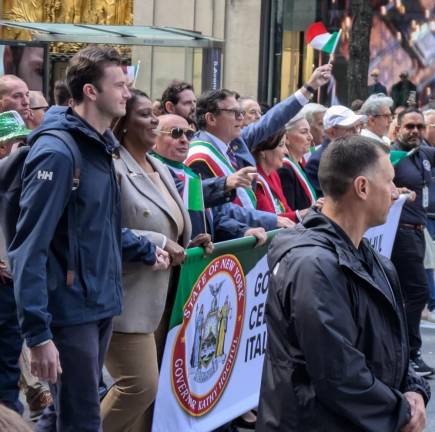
(124, 131)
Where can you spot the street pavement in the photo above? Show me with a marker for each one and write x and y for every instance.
(428, 335)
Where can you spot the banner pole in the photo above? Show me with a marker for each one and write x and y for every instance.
(203, 205)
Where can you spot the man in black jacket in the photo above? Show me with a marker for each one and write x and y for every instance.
(413, 172)
(337, 357)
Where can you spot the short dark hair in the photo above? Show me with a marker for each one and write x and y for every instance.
(208, 102)
(172, 92)
(345, 159)
(269, 143)
(87, 67)
(407, 111)
(61, 93)
(135, 94)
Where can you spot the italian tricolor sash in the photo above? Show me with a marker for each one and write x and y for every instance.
(192, 184)
(202, 151)
(277, 204)
(302, 178)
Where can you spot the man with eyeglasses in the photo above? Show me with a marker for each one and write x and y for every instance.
(38, 107)
(224, 220)
(377, 108)
(251, 109)
(221, 146)
(413, 172)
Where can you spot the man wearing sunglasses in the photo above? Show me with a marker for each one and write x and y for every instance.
(224, 220)
(413, 172)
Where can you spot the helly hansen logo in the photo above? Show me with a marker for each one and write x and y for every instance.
(45, 175)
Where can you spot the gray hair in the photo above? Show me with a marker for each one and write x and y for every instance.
(310, 109)
(428, 112)
(374, 103)
(292, 122)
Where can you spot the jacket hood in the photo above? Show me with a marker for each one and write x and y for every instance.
(315, 230)
(63, 118)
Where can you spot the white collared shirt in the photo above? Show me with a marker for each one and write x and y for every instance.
(369, 134)
(221, 146)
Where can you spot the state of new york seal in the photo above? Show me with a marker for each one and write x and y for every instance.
(206, 345)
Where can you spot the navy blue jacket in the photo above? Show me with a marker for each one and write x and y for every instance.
(414, 172)
(39, 251)
(312, 167)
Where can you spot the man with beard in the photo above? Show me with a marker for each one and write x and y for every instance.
(413, 172)
(179, 98)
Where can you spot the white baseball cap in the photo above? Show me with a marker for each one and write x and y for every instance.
(339, 115)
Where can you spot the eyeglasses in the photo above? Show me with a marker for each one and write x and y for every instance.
(411, 126)
(386, 116)
(177, 133)
(45, 108)
(235, 111)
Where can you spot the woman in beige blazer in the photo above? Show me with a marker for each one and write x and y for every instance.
(151, 206)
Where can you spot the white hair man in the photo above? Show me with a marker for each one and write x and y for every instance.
(313, 114)
(377, 108)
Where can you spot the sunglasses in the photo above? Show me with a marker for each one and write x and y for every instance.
(411, 126)
(177, 133)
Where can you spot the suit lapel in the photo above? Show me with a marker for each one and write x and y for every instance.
(148, 189)
(142, 183)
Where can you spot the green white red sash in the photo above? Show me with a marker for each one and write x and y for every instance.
(302, 178)
(202, 151)
(192, 185)
(277, 204)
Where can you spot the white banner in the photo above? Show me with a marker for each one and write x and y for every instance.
(382, 237)
(200, 398)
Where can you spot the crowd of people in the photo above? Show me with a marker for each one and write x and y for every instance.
(90, 256)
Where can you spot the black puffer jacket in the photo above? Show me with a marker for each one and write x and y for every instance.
(337, 354)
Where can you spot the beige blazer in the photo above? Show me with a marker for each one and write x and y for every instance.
(145, 211)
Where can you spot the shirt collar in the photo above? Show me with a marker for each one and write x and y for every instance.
(222, 147)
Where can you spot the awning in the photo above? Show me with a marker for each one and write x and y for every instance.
(116, 34)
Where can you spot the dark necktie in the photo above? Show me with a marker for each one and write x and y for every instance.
(232, 158)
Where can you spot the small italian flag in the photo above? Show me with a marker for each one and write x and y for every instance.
(192, 194)
(319, 38)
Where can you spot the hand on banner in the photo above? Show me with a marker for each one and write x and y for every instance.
(418, 413)
(44, 362)
(320, 76)
(283, 222)
(241, 178)
(259, 233)
(203, 240)
(162, 260)
(411, 194)
(175, 251)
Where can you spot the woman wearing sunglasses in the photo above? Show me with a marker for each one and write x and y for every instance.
(152, 206)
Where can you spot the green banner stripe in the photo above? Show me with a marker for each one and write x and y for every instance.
(195, 263)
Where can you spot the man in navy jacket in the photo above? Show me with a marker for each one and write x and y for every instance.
(66, 317)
